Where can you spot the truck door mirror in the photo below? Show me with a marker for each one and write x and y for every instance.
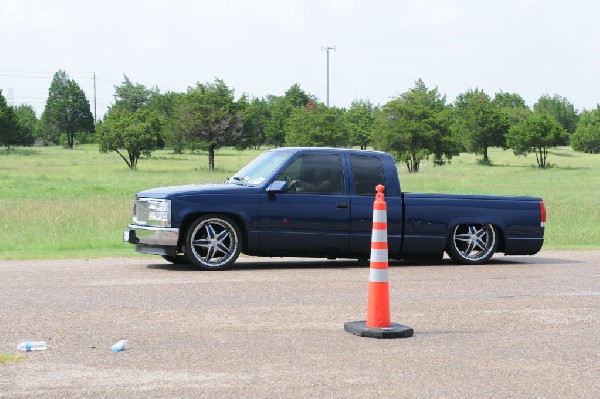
(278, 186)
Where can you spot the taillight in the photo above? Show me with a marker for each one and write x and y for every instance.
(542, 214)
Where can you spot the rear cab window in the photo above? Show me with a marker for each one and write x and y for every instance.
(367, 173)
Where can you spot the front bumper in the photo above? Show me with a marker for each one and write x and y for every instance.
(152, 240)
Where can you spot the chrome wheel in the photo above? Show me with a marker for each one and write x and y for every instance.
(213, 242)
(472, 243)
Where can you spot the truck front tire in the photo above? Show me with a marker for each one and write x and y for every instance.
(472, 244)
(213, 242)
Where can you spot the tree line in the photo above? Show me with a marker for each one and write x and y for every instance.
(416, 125)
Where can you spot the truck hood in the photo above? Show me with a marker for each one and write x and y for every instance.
(194, 189)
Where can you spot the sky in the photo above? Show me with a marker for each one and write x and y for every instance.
(262, 47)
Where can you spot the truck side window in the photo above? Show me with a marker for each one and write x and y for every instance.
(367, 172)
(315, 173)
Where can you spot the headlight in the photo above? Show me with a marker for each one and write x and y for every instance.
(152, 212)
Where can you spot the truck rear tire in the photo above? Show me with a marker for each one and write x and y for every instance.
(472, 244)
(213, 242)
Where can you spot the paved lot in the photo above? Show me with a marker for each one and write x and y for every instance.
(520, 327)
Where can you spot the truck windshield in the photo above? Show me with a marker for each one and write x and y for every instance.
(263, 166)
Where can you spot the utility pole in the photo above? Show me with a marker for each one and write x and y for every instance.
(95, 117)
(10, 97)
(327, 48)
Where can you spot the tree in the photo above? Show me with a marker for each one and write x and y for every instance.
(361, 120)
(587, 136)
(28, 125)
(8, 124)
(416, 125)
(137, 132)
(211, 119)
(256, 119)
(513, 105)
(508, 100)
(560, 109)
(536, 133)
(445, 144)
(131, 124)
(317, 126)
(296, 97)
(67, 110)
(478, 123)
(279, 110)
(166, 106)
(132, 96)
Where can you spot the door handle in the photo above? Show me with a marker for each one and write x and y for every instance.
(342, 205)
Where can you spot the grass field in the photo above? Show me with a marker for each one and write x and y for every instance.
(59, 203)
(9, 358)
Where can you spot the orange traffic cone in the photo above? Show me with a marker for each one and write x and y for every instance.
(378, 323)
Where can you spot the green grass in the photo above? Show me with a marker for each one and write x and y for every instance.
(59, 203)
(7, 358)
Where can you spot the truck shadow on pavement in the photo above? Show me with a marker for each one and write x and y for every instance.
(251, 263)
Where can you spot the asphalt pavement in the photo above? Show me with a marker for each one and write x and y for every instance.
(520, 327)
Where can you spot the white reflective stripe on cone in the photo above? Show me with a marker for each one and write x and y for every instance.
(379, 236)
(379, 216)
(379, 255)
(378, 275)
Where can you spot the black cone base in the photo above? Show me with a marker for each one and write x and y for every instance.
(395, 330)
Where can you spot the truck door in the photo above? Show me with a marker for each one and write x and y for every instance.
(366, 174)
(313, 217)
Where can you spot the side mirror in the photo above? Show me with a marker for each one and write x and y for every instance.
(278, 186)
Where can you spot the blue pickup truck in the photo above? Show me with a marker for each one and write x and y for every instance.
(318, 202)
